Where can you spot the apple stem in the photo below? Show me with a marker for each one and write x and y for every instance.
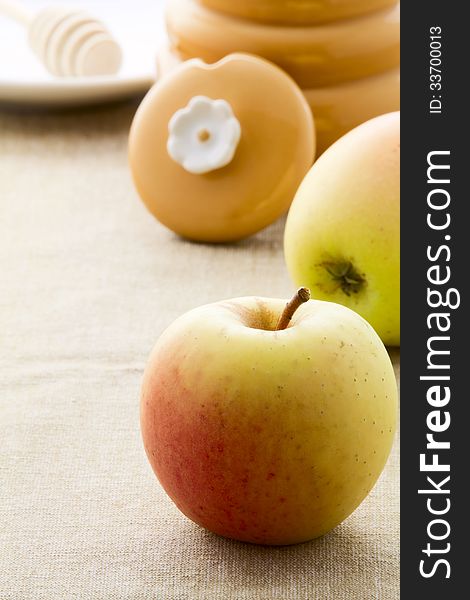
(302, 295)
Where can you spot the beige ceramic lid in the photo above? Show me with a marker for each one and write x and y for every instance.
(313, 55)
(297, 12)
(217, 151)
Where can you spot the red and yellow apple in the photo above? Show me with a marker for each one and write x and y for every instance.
(342, 235)
(268, 430)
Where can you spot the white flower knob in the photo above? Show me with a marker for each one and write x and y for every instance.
(204, 135)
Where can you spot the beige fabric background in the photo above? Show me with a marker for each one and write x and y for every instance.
(88, 282)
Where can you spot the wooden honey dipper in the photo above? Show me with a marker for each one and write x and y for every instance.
(68, 41)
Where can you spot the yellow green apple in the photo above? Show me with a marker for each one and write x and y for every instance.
(268, 422)
(342, 235)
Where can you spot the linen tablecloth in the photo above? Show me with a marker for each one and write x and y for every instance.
(88, 281)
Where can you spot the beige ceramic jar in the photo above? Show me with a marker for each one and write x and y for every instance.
(314, 56)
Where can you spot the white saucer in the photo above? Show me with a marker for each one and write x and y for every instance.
(79, 91)
(137, 26)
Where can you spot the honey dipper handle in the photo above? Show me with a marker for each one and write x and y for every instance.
(13, 9)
